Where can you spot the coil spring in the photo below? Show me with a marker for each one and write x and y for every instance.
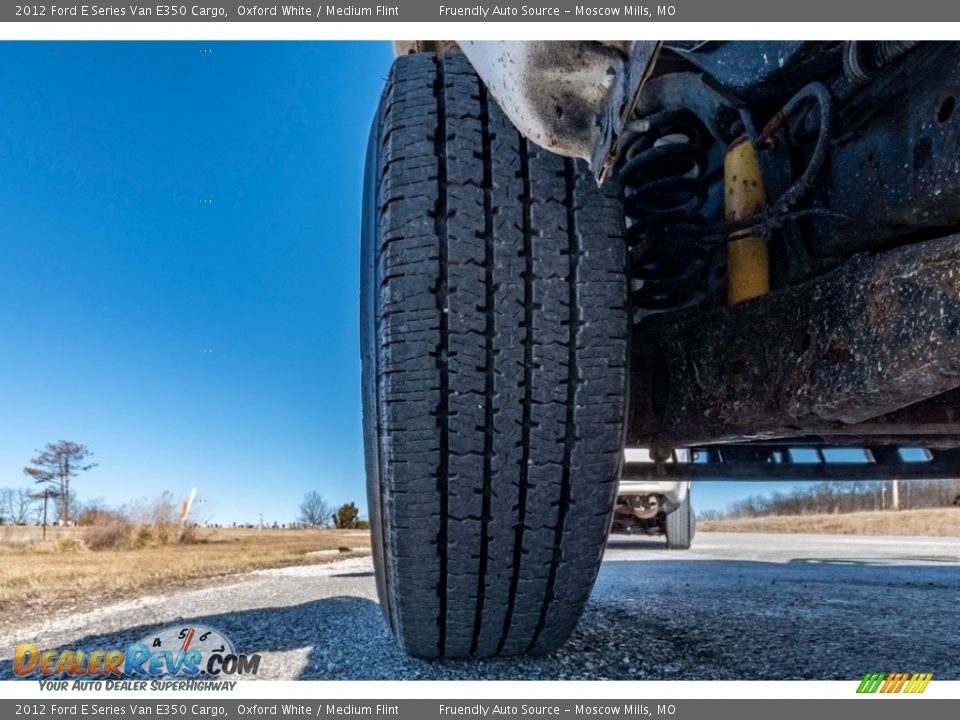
(663, 179)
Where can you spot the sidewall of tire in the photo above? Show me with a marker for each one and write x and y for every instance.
(369, 363)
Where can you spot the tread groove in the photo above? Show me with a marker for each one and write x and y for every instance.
(489, 333)
(573, 326)
(526, 422)
(443, 409)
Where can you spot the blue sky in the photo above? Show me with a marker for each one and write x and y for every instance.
(161, 200)
(114, 275)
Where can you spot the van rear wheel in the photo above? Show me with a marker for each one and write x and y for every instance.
(681, 526)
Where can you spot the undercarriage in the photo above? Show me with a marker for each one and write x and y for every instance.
(855, 343)
(825, 309)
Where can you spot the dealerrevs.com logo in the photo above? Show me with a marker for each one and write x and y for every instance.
(894, 683)
(192, 651)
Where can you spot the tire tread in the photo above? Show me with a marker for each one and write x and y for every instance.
(501, 327)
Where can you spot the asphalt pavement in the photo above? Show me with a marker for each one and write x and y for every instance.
(736, 606)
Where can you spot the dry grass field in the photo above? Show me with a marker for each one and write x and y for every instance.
(43, 578)
(938, 522)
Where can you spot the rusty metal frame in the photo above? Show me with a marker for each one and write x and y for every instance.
(843, 356)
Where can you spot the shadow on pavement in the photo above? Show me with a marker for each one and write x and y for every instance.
(814, 618)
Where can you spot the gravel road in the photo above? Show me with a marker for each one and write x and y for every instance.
(737, 606)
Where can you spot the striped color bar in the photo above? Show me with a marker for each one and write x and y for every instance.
(894, 682)
(918, 683)
(870, 683)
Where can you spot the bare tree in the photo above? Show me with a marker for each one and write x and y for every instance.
(315, 511)
(18, 506)
(59, 463)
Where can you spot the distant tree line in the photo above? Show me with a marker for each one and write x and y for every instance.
(24, 506)
(848, 497)
(315, 512)
(52, 499)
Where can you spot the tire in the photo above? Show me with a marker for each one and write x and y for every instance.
(494, 346)
(681, 526)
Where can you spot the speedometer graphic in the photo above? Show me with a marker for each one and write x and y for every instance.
(180, 649)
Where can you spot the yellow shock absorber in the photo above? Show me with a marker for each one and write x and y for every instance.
(748, 259)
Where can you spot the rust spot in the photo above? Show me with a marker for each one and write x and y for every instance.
(839, 354)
